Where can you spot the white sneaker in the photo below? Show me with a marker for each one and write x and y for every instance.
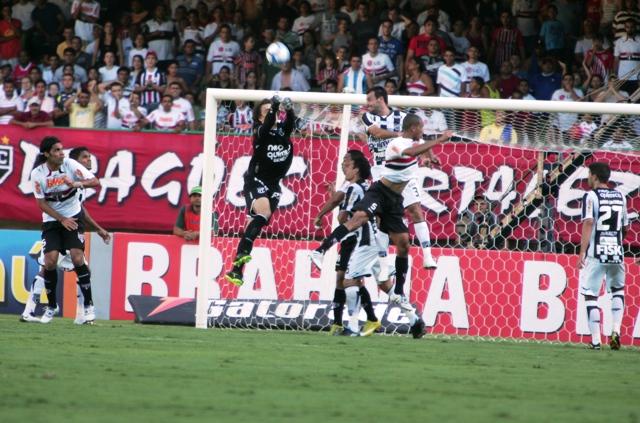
(49, 312)
(29, 318)
(402, 301)
(395, 298)
(79, 320)
(316, 258)
(428, 262)
(89, 315)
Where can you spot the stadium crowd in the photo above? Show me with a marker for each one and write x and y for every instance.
(145, 64)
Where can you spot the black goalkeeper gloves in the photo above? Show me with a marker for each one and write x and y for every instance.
(288, 104)
(275, 102)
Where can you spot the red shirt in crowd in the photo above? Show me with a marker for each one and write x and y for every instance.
(419, 44)
(28, 117)
(9, 49)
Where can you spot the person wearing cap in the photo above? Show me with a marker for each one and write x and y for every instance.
(188, 222)
(33, 117)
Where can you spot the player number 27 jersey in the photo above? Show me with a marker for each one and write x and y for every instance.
(608, 209)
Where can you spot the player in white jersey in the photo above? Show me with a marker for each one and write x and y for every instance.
(82, 156)
(384, 200)
(56, 181)
(604, 225)
(357, 171)
(382, 125)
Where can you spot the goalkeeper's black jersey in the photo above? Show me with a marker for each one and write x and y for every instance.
(272, 149)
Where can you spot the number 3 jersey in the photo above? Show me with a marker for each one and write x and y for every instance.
(608, 209)
(50, 185)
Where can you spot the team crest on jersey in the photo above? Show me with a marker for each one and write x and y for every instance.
(6, 162)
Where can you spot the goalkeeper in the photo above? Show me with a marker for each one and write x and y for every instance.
(270, 162)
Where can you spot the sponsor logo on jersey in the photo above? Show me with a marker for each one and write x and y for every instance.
(6, 162)
(55, 182)
(609, 250)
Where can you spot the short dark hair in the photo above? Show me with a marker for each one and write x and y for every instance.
(361, 163)
(47, 143)
(76, 152)
(379, 92)
(69, 50)
(410, 120)
(601, 170)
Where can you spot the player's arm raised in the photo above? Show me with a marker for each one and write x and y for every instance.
(333, 202)
(378, 132)
(419, 149)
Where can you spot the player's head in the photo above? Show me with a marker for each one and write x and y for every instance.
(355, 166)
(412, 126)
(377, 100)
(261, 109)
(599, 173)
(82, 156)
(50, 152)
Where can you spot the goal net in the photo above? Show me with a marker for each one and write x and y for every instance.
(503, 207)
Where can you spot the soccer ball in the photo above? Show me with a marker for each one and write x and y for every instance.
(278, 53)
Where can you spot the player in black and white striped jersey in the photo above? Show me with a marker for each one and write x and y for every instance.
(384, 124)
(604, 225)
(357, 171)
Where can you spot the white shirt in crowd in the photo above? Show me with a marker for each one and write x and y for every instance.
(22, 12)
(434, 122)
(163, 47)
(185, 108)
(127, 116)
(222, 54)
(15, 101)
(165, 121)
(628, 51)
(108, 75)
(83, 29)
(450, 80)
(564, 120)
(377, 65)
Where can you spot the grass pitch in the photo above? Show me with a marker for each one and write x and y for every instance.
(123, 372)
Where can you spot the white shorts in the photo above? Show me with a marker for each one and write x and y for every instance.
(410, 194)
(363, 262)
(593, 273)
(64, 262)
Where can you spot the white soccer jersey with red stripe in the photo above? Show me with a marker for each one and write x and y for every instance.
(399, 167)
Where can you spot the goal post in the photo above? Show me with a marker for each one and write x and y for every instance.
(501, 191)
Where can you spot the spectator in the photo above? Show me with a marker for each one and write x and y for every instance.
(311, 50)
(327, 21)
(326, 70)
(10, 103)
(592, 86)
(392, 47)
(618, 141)
(108, 42)
(505, 41)
(108, 72)
(79, 73)
(160, 33)
(164, 118)
(349, 10)
(628, 11)
(418, 82)
(190, 65)
(10, 33)
(193, 32)
(139, 49)
(81, 57)
(211, 30)
(477, 37)
(172, 75)
(111, 100)
(137, 67)
(434, 123)
(150, 83)
(222, 52)
(49, 24)
(598, 60)
(584, 129)
(564, 121)
(499, 132)
(459, 41)
(128, 83)
(585, 44)
(433, 60)
(391, 86)
(285, 35)
(376, 65)
(433, 11)
(241, 119)
(48, 72)
(471, 118)
(24, 66)
(67, 90)
(82, 110)
(452, 78)
(305, 21)
(21, 10)
(131, 112)
(33, 118)
(289, 78)
(182, 105)
(46, 103)
(474, 67)
(544, 83)
(612, 94)
(363, 28)
(552, 34)
(525, 92)
(299, 65)
(86, 13)
(331, 86)
(26, 91)
(517, 68)
(343, 36)
(419, 45)
(507, 81)
(626, 55)
(342, 59)
(463, 238)
(484, 220)
(187, 224)
(354, 79)
(35, 74)
(526, 13)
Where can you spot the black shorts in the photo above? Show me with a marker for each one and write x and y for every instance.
(346, 248)
(254, 188)
(382, 201)
(56, 237)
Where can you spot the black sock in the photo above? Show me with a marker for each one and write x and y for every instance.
(365, 301)
(335, 237)
(339, 298)
(84, 282)
(250, 234)
(402, 266)
(50, 284)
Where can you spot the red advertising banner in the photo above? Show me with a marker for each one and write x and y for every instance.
(145, 178)
(472, 292)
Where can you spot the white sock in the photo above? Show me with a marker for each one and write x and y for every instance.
(353, 307)
(593, 315)
(32, 298)
(80, 304)
(422, 232)
(617, 309)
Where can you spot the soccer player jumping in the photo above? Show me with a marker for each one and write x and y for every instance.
(385, 200)
(272, 157)
(56, 181)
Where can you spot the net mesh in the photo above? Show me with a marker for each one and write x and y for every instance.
(503, 207)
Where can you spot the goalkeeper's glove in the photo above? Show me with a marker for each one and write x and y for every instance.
(288, 104)
(275, 102)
